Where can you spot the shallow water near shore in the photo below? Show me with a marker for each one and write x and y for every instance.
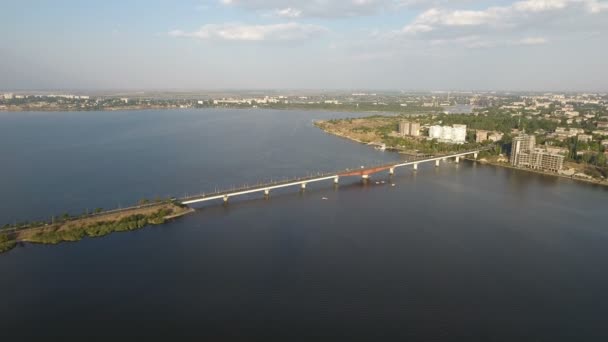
(463, 251)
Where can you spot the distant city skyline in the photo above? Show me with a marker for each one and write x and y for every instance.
(413, 45)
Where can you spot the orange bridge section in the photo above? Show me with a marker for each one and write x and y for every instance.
(366, 172)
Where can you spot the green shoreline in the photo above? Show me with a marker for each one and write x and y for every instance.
(539, 172)
(588, 181)
(93, 227)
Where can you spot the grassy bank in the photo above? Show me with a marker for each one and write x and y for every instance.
(6, 243)
(382, 129)
(75, 230)
(379, 128)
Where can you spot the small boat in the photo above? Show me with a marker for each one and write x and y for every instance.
(383, 182)
(377, 182)
(324, 198)
(392, 184)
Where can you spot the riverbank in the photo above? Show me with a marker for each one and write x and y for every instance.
(94, 226)
(367, 136)
(19, 109)
(540, 172)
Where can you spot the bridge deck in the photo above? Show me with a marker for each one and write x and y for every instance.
(328, 176)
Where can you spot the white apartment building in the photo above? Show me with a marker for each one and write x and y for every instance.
(456, 134)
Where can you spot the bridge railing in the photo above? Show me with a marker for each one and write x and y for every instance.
(262, 186)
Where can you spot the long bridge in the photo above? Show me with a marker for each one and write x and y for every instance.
(363, 172)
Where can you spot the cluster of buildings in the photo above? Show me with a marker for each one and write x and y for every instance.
(455, 134)
(525, 153)
(11, 96)
(250, 101)
(481, 136)
(407, 128)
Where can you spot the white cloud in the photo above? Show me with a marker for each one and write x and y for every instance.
(288, 12)
(499, 16)
(532, 41)
(239, 32)
(313, 8)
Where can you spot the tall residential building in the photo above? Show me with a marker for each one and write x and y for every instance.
(459, 134)
(525, 154)
(435, 132)
(404, 128)
(455, 134)
(409, 128)
(521, 148)
(543, 160)
(415, 129)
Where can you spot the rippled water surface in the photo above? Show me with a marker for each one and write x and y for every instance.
(460, 252)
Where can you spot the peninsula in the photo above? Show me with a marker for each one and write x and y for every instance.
(550, 150)
(68, 228)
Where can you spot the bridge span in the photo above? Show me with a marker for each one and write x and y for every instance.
(364, 173)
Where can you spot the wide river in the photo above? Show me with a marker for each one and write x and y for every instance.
(461, 252)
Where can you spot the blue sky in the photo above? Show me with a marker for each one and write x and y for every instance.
(314, 44)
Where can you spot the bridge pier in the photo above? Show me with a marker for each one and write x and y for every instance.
(365, 177)
(415, 167)
(391, 171)
(457, 159)
(475, 155)
(437, 163)
(225, 198)
(336, 180)
(303, 186)
(266, 193)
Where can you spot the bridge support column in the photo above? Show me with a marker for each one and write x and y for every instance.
(415, 167)
(365, 177)
(266, 192)
(391, 171)
(437, 163)
(336, 180)
(225, 199)
(303, 186)
(475, 155)
(457, 159)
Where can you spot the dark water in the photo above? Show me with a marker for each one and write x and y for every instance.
(463, 252)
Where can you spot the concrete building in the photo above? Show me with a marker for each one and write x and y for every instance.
(521, 148)
(435, 132)
(584, 138)
(543, 160)
(457, 134)
(415, 129)
(525, 154)
(407, 128)
(575, 131)
(481, 136)
(496, 136)
(404, 128)
(556, 150)
(8, 96)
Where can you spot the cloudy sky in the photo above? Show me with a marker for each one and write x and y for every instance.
(312, 44)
